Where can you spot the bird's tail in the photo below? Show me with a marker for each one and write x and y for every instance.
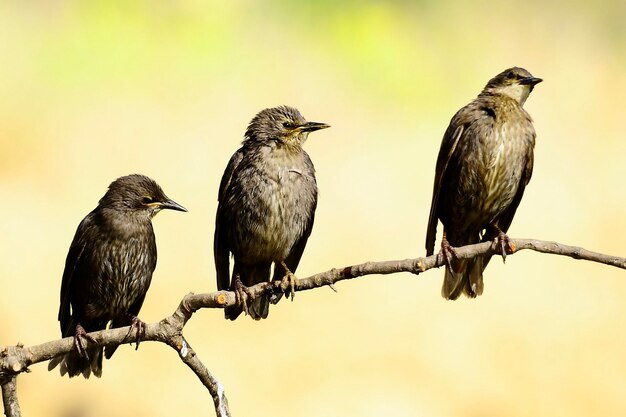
(251, 275)
(121, 321)
(258, 309)
(231, 313)
(74, 364)
(466, 276)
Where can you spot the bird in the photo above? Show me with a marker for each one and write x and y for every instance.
(108, 270)
(484, 165)
(266, 208)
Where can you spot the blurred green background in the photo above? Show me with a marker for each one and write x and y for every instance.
(91, 91)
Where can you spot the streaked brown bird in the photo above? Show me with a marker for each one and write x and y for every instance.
(484, 164)
(267, 200)
(108, 270)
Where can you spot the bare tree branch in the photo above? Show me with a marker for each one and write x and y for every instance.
(419, 265)
(9, 398)
(16, 359)
(189, 357)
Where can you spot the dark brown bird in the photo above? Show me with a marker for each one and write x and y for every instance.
(484, 165)
(108, 269)
(267, 202)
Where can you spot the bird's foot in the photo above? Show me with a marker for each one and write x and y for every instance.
(447, 253)
(242, 293)
(288, 283)
(139, 327)
(81, 337)
(503, 241)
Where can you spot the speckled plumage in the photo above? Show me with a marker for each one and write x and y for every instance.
(483, 167)
(109, 266)
(267, 202)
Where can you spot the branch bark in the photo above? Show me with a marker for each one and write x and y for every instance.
(17, 359)
(9, 397)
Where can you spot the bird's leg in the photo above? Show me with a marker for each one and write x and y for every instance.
(139, 327)
(447, 252)
(80, 335)
(503, 241)
(288, 283)
(242, 293)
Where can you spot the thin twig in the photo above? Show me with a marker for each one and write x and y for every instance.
(189, 357)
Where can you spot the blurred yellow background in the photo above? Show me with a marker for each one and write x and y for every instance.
(91, 91)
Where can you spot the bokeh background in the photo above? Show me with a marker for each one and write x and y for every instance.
(90, 91)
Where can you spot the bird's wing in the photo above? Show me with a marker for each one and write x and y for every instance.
(73, 264)
(221, 251)
(448, 147)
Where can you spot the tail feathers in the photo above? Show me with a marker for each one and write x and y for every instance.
(121, 321)
(231, 313)
(452, 285)
(466, 278)
(251, 275)
(474, 282)
(73, 364)
(258, 309)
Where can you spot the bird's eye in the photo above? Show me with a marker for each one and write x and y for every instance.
(510, 75)
(287, 125)
(147, 200)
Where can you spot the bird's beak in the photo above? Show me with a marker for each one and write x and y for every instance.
(530, 81)
(173, 205)
(313, 126)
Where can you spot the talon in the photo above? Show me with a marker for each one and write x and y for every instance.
(504, 242)
(79, 336)
(242, 293)
(288, 283)
(140, 328)
(447, 253)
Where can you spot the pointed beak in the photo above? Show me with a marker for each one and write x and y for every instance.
(173, 205)
(313, 126)
(530, 81)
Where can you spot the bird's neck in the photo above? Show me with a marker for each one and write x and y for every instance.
(125, 222)
(517, 93)
(289, 148)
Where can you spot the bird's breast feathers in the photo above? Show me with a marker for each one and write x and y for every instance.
(126, 269)
(502, 165)
(281, 192)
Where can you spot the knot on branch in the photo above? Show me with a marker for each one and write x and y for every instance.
(12, 361)
(184, 308)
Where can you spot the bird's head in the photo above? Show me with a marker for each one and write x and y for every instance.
(138, 194)
(283, 124)
(516, 83)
